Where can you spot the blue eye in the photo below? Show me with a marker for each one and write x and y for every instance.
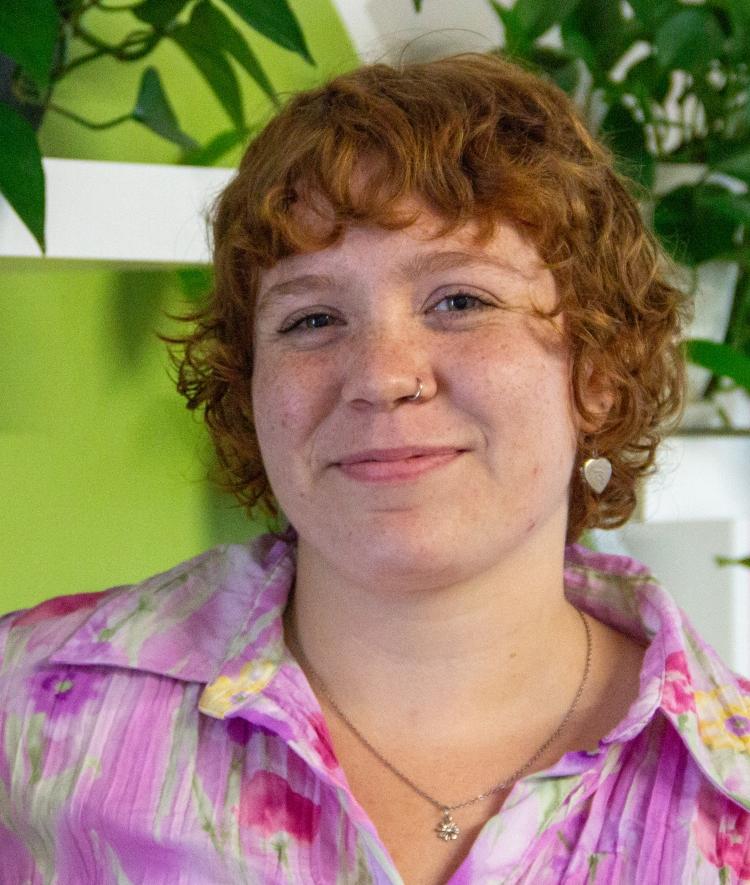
(460, 302)
(308, 322)
(463, 303)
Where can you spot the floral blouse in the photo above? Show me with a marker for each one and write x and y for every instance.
(162, 733)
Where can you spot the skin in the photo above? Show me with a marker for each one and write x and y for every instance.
(495, 387)
(436, 596)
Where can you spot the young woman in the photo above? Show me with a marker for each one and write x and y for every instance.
(442, 344)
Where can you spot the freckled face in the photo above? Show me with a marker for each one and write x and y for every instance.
(378, 483)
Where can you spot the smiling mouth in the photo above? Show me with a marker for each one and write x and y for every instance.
(396, 466)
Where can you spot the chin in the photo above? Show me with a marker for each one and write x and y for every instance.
(402, 553)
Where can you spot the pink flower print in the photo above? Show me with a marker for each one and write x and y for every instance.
(63, 691)
(322, 741)
(58, 607)
(744, 684)
(677, 696)
(722, 831)
(268, 802)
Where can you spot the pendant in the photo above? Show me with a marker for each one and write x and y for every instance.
(447, 829)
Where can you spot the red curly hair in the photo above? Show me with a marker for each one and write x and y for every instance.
(477, 138)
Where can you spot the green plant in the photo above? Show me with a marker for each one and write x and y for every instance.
(43, 41)
(663, 81)
(725, 561)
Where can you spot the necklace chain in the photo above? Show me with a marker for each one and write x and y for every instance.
(447, 828)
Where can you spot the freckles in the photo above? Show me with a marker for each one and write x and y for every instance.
(290, 415)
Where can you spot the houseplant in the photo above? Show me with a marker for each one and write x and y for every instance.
(664, 81)
(91, 424)
(43, 41)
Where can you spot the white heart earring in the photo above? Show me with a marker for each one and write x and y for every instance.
(597, 472)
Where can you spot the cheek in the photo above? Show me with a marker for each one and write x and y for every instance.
(287, 399)
(524, 393)
(518, 368)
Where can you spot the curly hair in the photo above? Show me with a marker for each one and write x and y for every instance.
(479, 139)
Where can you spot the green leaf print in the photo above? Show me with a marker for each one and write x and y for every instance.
(593, 864)
(281, 847)
(552, 792)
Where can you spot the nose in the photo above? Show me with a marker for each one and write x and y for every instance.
(387, 370)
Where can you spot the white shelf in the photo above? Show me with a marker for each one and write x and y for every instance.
(121, 213)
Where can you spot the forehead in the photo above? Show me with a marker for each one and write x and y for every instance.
(421, 248)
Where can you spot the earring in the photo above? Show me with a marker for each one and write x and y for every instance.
(597, 472)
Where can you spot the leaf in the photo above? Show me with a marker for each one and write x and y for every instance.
(215, 69)
(567, 77)
(153, 110)
(536, 17)
(212, 27)
(29, 30)
(159, 13)
(736, 14)
(720, 202)
(689, 39)
(721, 359)
(417, 5)
(651, 12)
(606, 30)
(738, 331)
(736, 164)
(195, 282)
(692, 228)
(527, 20)
(648, 81)
(728, 560)
(628, 142)
(275, 20)
(515, 41)
(21, 171)
(216, 148)
(578, 45)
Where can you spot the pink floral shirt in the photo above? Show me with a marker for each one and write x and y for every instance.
(161, 733)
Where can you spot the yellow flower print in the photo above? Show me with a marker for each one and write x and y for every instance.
(226, 693)
(723, 726)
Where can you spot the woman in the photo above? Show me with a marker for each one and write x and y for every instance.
(442, 343)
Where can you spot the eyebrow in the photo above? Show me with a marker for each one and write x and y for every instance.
(304, 283)
(441, 259)
(416, 266)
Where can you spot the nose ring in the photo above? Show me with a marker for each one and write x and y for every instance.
(416, 396)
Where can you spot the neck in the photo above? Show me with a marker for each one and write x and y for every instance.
(454, 653)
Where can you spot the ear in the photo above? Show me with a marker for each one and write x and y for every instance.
(598, 397)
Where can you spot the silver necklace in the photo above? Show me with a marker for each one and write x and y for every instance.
(447, 829)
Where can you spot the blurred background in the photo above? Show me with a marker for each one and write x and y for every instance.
(103, 473)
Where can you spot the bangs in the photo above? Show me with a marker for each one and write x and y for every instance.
(359, 151)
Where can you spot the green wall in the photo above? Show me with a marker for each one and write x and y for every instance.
(102, 469)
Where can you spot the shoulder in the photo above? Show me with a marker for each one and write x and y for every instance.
(211, 587)
(682, 675)
(33, 633)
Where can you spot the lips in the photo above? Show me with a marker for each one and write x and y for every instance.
(397, 464)
(398, 454)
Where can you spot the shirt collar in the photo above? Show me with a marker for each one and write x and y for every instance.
(217, 620)
(682, 676)
(204, 618)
